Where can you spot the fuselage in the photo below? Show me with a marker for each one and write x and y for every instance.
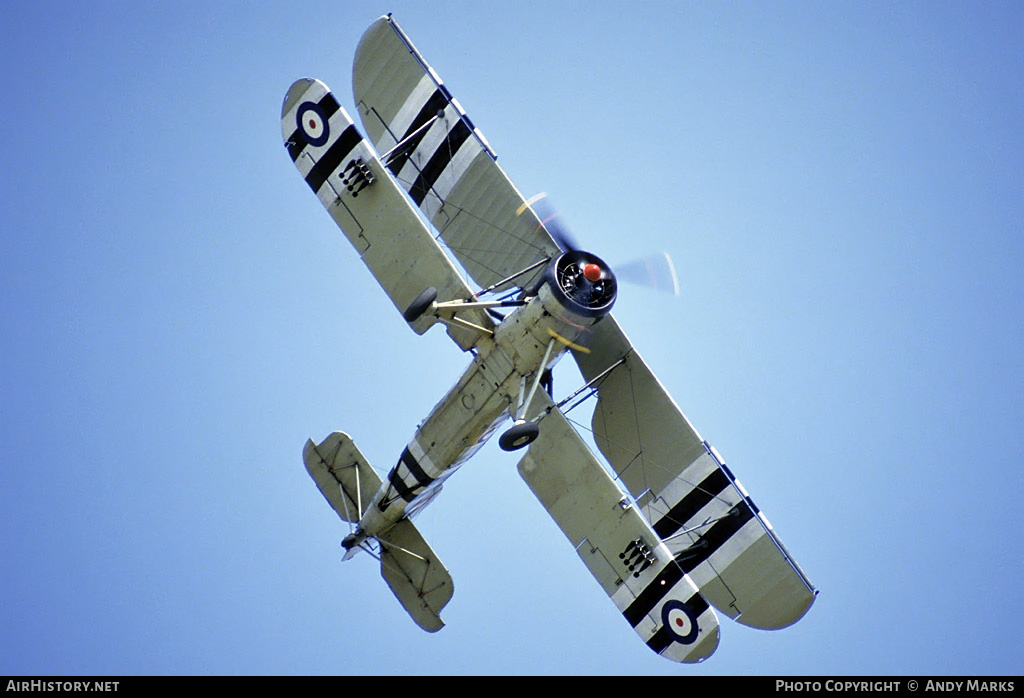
(492, 387)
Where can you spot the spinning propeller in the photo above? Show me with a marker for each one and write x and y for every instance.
(585, 278)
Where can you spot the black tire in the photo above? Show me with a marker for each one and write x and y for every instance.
(520, 435)
(420, 305)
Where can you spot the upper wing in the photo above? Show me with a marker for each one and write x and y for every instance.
(447, 167)
(616, 543)
(693, 502)
(347, 176)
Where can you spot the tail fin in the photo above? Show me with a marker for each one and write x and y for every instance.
(411, 569)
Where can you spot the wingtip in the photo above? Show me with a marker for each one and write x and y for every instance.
(293, 94)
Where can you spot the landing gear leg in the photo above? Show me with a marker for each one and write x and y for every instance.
(420, 305)
(523, 433)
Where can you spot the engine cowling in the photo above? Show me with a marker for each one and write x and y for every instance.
(581, 283)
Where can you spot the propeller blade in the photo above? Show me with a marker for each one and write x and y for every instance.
(655, 271)
(552, 222)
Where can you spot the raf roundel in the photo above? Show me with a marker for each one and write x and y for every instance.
(679, 621)
(312, 121)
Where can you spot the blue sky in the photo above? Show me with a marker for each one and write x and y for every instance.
(842, 190)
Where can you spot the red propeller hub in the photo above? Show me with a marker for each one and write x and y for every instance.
(592, 272)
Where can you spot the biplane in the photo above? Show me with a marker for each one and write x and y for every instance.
(665, 528)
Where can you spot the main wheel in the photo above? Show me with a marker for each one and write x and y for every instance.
(521, 434)
(420, 305)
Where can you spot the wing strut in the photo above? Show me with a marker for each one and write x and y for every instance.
(524, 432)
(523, 406)
(386, 157)
(589, 385)
(516, 275)
(617, 545)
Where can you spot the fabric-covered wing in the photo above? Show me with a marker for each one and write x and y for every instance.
(617, 544)
(682, 486)
(363, 199)
(445, 164)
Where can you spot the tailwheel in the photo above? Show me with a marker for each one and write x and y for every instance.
(519, 435)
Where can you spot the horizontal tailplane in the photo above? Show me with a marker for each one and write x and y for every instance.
(417, 578)
(342, 474)
(411, 569)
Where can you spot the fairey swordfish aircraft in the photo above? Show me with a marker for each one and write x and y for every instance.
(667, 531)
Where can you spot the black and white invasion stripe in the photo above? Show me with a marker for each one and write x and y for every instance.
(706, 520)
(663, 597)
(407, 479)
(317, 161)
(433, 160)
(414, 476)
